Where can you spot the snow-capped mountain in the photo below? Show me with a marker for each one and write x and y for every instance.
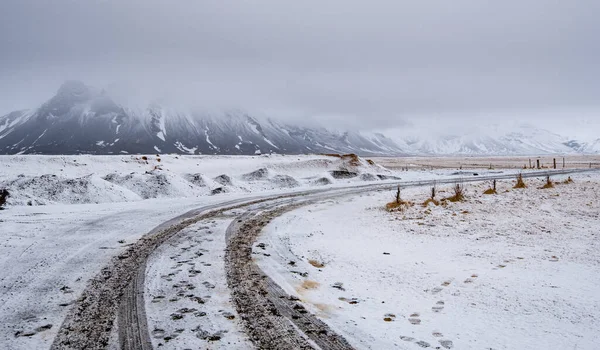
(519, 140)
(81, 120)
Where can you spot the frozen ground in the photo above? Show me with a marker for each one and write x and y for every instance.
(48, 253)
(187, 299)
(67, 216)
(517, 270)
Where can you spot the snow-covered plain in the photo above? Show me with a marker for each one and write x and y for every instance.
(68, 215)
(51, 248)
(516, 270)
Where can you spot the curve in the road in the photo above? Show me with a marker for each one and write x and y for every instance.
(118, 288)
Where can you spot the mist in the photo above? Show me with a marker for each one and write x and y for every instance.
(381, 65)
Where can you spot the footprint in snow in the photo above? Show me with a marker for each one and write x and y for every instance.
(436, 290)
(447, 344)
(438, 307)
(414, 319)
(471, 279)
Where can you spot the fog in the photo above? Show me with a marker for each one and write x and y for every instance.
(369, 65)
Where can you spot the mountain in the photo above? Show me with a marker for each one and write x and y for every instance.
(592, 147)
(79, 119)
(518, 140)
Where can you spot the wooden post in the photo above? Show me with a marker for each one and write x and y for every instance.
(563, 162)
(554, 163)
(538, 163)
(530, 163)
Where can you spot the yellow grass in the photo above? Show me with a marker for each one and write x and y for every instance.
(316, 264)
(430, 200)
(308, 284)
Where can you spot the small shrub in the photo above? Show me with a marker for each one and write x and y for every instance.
(144, 158)
(520, 183)
(398, 203)
(548, 184)
(158, 160)
(3, 197)
(459, 193)
(370, 162)
(568, 181)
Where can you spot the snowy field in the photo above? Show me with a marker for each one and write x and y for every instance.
(516, 270)
(68, 215)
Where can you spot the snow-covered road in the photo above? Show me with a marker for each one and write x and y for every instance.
(51, 252)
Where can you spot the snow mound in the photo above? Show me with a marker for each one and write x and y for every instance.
(50, 189)
(147, 185)
(343, 174)
(322, 181)
(368, 177)
(285, 181)
(260, 174)
(224, 180)
(196, 179)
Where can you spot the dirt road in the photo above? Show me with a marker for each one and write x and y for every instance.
(271, 317)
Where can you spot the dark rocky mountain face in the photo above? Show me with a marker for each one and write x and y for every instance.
(81, 120)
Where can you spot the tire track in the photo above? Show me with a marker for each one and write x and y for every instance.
(272, 318)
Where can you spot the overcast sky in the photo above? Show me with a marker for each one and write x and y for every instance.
(372, 64)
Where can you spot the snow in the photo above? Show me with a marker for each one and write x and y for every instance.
(517, 270)
(194, 258)
(208, 139)
(180, 146)
(269, 142)
(157, 149)
(86, 209)
(44, 180)
(253, 127)
(160, 135)
(43, 249)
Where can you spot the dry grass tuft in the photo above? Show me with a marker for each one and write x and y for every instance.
(568, 181)
(370, 162)
(548, 184)
(351, 157)
(490, 191)
(430, 200)
(144, 158)
(308, 284)
(520, 183)
(398, 206)
(459, 193)
(316, 264)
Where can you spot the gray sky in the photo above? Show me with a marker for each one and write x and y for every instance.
(372, 64)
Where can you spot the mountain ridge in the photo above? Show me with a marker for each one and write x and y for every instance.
(83, 120)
